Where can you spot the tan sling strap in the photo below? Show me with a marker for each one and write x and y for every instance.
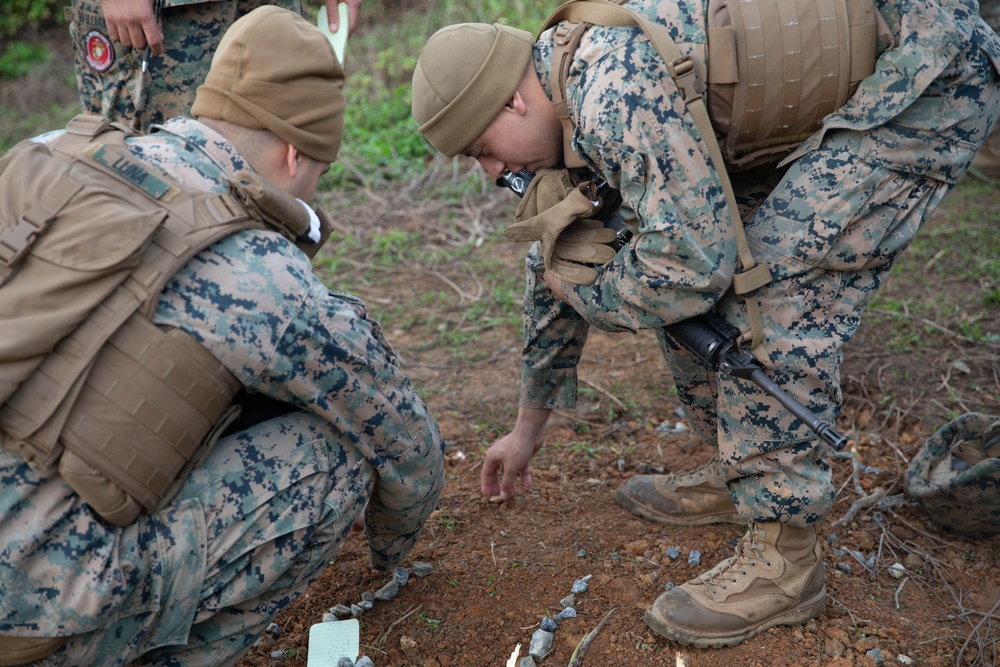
(752, 276)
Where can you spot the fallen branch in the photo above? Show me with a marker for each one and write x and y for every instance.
(577, 658)
(385, 635)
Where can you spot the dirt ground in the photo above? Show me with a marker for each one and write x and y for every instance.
(499, 568)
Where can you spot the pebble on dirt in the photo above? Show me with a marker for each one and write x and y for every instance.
(401, 575)
(541, 644)
(548, 624)
(387, 592)
(364, 661)
(568, 612)
(421, 569)
(526, 661)
(345, 662)
(580, 585)
(694, 558)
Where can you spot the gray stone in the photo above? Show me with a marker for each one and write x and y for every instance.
(526, 661)
(568, 612)
(694, 558)
(364, 661)
(421, 569)
(274, 629)
(387, 592)
(568, 601)
(877, 656)
(541, 644)
(673, 553)
(580, 585)
(356, 611)
(548, 624)
(366, 604)
(367, 595)
(401, 575)
(345, 662)
(341, 611)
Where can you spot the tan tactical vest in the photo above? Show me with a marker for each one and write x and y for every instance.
(772, 69)
(760, 98)
(89, 236)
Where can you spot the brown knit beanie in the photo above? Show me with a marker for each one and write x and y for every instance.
(465, 75)
(274, 71)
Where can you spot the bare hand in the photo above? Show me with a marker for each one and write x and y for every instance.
(508, 457)
(131, 22)
(332, 13)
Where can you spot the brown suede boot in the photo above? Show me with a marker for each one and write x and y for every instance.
(692, 499)
(775, 578)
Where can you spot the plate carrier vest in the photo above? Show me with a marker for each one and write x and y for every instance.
(763, 100)
(89, 236)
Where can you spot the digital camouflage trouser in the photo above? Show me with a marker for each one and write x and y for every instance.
(113, 84)
(862, 196)
(198, 582)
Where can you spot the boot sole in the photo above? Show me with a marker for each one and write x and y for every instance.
(798, 614)
(646, 512)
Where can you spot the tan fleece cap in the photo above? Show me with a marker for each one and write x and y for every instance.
(465, 75)
(275, 71)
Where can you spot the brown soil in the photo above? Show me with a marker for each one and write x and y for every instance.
(499, 568)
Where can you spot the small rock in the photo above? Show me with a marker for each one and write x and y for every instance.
(904, 659)
(580, 585)
(568, 612)
(279, 654)
(831, 538)
(366, 604)
(387, 592)
(345, 662)
(330, 618)
(420, 569)
(845, 567)
(407, 643)
(526, 661)
(568, 601)
(356, 611)
(541, 644)
(673, 553)
(274, 629)
(548, 624)
(367, 595)
(401, 575)
(582, 553)
(616, 557)
(694, 558)
(877, 656)
(896, 570)
(341, 611)
(621, 465)
(364, 661)
(669, 586)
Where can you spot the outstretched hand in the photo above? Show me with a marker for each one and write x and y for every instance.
(507, 459)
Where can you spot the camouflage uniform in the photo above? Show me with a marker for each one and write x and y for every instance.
(987, 161)
(110, 78)
(197, 582)
(829, 225)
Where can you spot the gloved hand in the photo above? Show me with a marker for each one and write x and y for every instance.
(554, 212)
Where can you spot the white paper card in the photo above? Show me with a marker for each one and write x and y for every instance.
(337, 39)
(331, 641)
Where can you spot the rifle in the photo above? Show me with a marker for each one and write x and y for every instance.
(709, 337)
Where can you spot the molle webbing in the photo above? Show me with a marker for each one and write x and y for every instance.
(776, 68)
(125, 408)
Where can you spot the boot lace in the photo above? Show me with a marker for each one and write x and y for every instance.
(749, 552)
(711, 469)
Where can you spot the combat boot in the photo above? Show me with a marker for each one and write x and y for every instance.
(775, 578)
(692, 499)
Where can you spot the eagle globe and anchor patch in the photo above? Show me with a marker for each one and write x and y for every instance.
(100, 51)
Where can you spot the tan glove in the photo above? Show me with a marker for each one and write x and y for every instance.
(554, 212)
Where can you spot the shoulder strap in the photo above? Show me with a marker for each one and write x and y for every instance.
(601, 12)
